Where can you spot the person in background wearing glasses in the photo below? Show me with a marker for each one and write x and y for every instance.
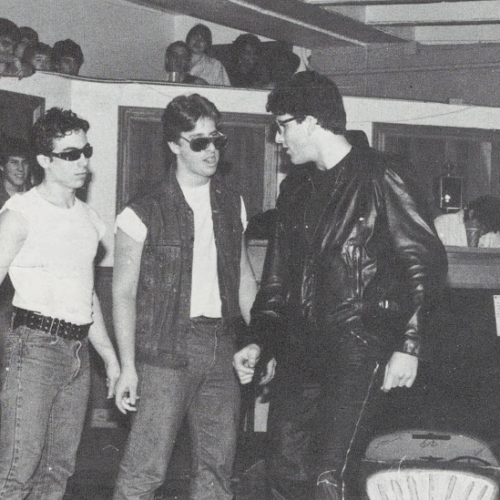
(182, 290)
(352, 268)
(49, 243)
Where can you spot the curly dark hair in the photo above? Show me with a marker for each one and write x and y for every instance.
(54, 124)
(309, 94)
(183, 112)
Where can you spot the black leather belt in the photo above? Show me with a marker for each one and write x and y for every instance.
(53, 326)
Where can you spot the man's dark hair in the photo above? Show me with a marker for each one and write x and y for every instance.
(247, 39)
(309, 94)
(183, 112)
(200, 29)
(486, 210)
(171, 48)
(10, 29)
(38, 48)
(13, 146)
(28, 33)
(55, 124)
(67, 48)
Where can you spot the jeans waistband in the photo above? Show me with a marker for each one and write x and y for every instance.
(52, 326)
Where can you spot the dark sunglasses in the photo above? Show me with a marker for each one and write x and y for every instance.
(75, 154)
(201, 143)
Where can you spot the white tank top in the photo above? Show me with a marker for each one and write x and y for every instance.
(53, 273)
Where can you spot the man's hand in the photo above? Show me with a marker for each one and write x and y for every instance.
(244, 362)
(126, 390)
(400, 371)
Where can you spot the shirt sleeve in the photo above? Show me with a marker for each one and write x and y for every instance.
(131, 224)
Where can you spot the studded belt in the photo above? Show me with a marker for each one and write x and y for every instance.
(53, 326)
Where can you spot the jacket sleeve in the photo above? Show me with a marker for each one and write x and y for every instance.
(268, 312)
(419, 252)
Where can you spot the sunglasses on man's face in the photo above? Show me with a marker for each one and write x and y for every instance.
(75, 154)
(201, 143)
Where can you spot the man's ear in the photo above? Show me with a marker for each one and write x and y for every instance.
(311, 123)
(43, 160)
(174, 147)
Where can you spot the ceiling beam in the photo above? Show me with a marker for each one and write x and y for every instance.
(291, 21)
(364, 3)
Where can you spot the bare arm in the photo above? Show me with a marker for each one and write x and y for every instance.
(13, 233)
(99, 338)
(127, 266)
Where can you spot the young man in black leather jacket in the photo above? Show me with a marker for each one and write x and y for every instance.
(352, 267)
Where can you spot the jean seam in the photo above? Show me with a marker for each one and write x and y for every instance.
(14, 457)
(358, 421)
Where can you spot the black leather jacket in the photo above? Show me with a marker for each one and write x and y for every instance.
(370, 267)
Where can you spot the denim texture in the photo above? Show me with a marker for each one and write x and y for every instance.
(207, 392)
(45, 390)
(323, 426)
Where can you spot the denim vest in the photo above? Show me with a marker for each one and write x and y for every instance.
(164, 289)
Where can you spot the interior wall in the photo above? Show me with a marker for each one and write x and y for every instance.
(454, 73)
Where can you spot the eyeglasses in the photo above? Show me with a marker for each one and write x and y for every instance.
(201, 143)
(75, 154)
(282, 123)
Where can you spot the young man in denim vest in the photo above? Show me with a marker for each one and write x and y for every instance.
(182, 284)
(49, 243)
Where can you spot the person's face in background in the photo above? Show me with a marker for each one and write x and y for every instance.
(197, 43)
(7, 45)
(177, 60)
(15, 172)
(248, 56)
(41, 62)
(67, 65)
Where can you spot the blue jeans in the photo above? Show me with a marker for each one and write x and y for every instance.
(208, 393)
(45, 390)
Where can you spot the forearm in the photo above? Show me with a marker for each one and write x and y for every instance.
(124, 320)
(98, 335)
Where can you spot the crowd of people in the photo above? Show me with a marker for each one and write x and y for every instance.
(22, 53)
(247, 66)
(354, 266)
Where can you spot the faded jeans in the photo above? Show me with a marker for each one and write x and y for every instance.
(208, 393)
(45, 390)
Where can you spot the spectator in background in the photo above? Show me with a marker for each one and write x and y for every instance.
(177, 61)
(10, 62)
(478, 225)
(67, 57)
(39, 56)
(283, 66)
(14, 168)
(199, 40)
(249, 68)
(28, 36)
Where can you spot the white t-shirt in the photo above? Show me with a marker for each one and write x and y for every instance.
(53, 273)
(205, 294)
(451, 231)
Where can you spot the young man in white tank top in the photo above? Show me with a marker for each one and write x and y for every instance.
(49, 243)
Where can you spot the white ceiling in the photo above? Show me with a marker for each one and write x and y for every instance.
(425, 21)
